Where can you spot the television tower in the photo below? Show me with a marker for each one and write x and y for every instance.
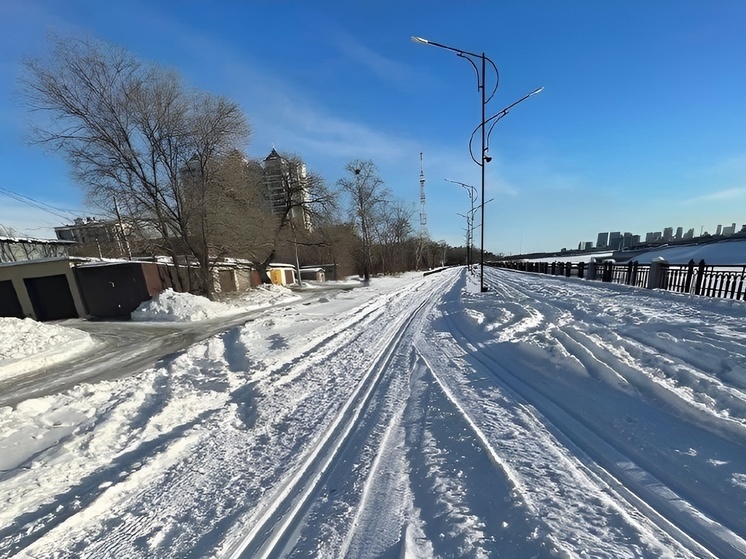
(423, 215)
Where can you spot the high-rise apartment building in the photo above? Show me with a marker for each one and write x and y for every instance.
(603, 240)
(287, 187)
(615, 240)
(730, 230)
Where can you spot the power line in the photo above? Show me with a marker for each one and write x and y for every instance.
(67, 215)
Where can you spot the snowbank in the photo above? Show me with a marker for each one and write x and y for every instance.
(27, 345)
(171, 306)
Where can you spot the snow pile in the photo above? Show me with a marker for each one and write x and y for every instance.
(26, 345)
(171, 306)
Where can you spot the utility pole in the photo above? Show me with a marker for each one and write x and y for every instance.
(121, 230)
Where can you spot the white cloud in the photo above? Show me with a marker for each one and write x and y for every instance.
(385, 68)
(718, 196)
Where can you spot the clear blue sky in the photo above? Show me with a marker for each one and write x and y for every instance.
(642, 123)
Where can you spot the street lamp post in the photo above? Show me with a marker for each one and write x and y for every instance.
(480, 71)
(472, 192)
(469, 216)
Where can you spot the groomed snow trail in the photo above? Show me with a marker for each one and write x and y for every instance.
(545, 418)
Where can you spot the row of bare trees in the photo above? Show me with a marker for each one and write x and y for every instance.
(170, 158)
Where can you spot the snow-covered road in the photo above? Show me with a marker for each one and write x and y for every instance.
(548, 417)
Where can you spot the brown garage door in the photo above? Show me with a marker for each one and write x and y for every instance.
(9, 303)
(51, 297)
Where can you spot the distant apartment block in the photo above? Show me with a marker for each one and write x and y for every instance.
(89, 230)
(619, 241)
(287, 186)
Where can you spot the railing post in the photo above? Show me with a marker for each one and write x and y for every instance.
(700, 278)
(658, 273)
(608, 269)
(689, 274)
(568, 269)
(635, 265)
(581, 269)
(592, 270)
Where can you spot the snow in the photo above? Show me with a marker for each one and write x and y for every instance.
(27, 345)
(728, 252)
(724, 252)
(411, 417)
(172, 306)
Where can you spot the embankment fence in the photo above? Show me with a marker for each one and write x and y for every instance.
(727, 282)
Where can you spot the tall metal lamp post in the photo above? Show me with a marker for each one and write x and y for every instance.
(472, 192)
(480, 70)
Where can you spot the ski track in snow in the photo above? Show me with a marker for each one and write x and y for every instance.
(545, 418)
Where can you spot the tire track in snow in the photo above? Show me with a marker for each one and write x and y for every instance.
(279, 529)
(140, 515)
(648, 358)
(677, 516)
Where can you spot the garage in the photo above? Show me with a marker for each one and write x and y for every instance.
(9, 303)
(51, 297)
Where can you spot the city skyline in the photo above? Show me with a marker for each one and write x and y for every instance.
(623, 133)
(620, 240)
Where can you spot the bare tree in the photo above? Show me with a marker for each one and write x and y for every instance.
(133, 132)
(368, 196)
(241, 221)
(7, 231)
(394, 231)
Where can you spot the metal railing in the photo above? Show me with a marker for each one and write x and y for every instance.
(725, 282)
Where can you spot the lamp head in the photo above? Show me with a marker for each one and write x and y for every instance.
(420, 40)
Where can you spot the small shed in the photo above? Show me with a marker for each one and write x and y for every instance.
(312, 273)
(235, 275)
(282, 274)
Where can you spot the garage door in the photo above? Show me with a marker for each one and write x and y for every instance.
(9, 303)
(51, 297)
